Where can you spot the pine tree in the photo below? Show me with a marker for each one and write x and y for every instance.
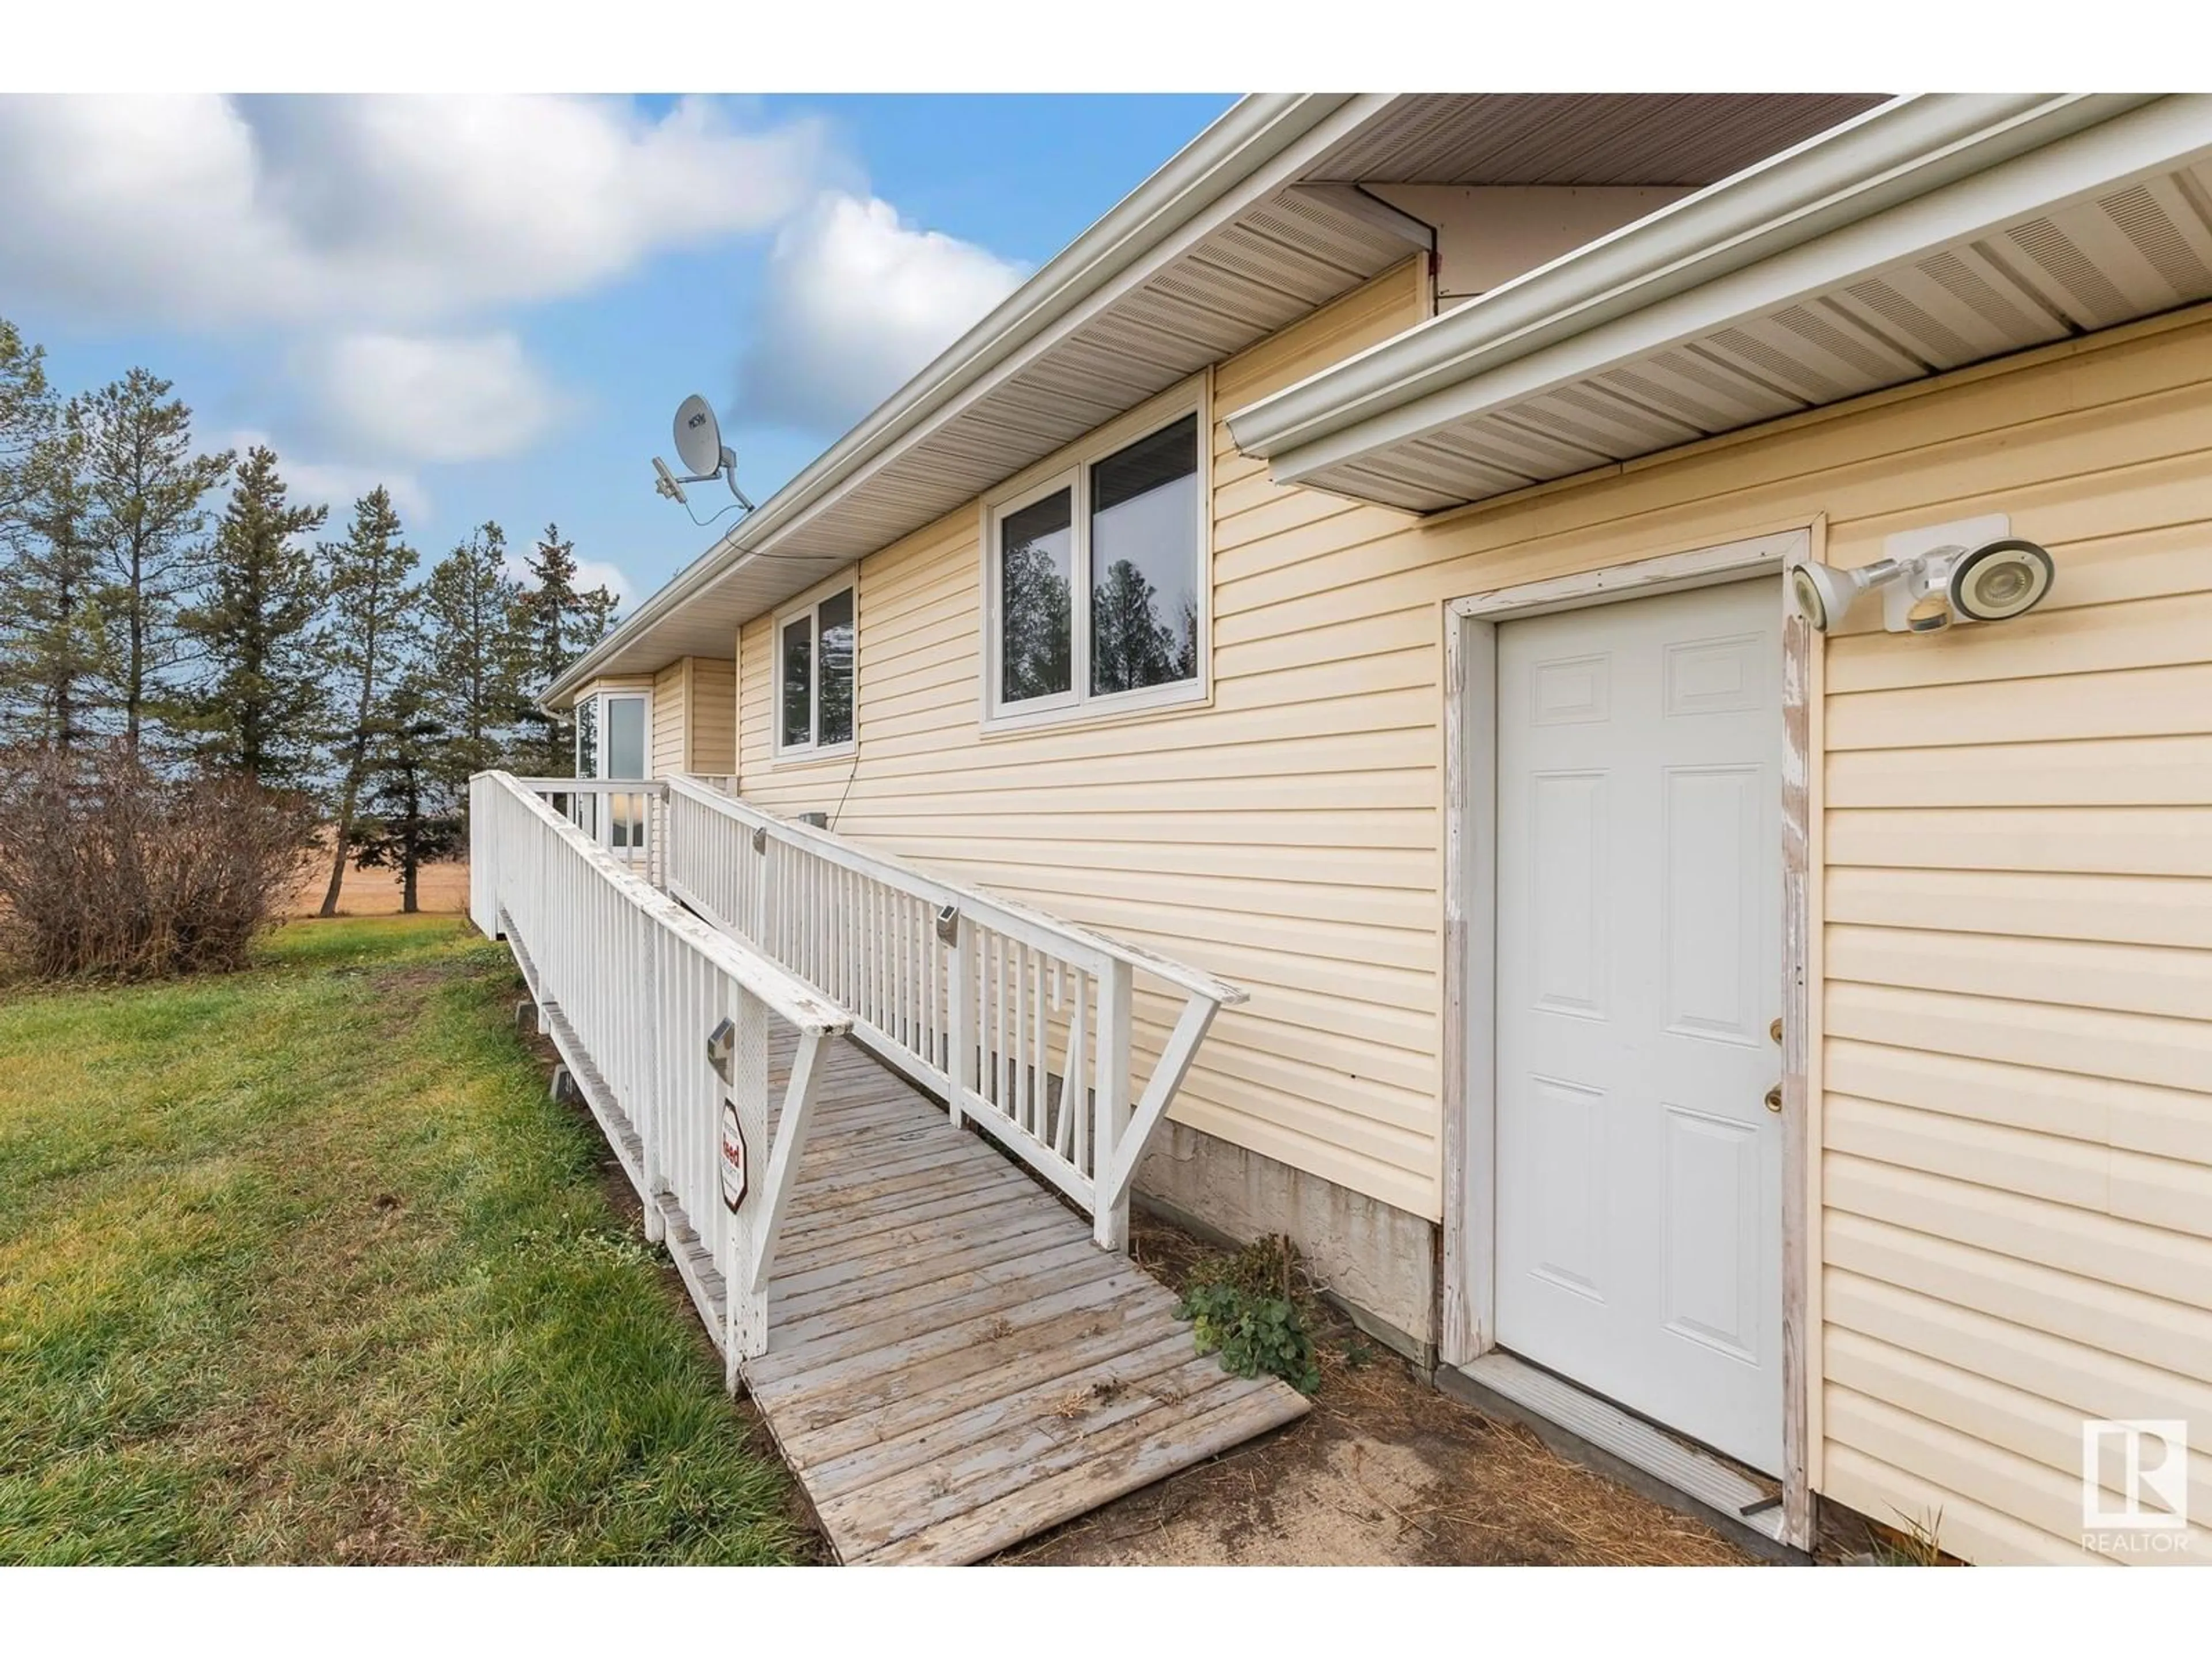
(27, 416)
(149, 488)
(556, 624)
(370, 632)
(471, 653)
(598, 610)
(412, 820)
(51, 629)
(259, 708)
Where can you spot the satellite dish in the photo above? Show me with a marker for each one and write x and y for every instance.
(698, 436)
(699, 446)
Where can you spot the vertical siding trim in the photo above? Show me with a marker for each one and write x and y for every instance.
(1796, 1002)
(1470, 885)
(1812, 1020)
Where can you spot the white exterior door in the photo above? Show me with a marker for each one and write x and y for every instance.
(1639, 1168)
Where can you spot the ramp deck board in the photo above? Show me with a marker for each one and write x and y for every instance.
(953, 1364)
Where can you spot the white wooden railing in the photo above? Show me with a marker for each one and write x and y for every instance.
(632, 989)
(621, 816)
(1019, 1019)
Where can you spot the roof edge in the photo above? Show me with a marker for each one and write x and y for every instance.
(1886, 157)
(1253, 132)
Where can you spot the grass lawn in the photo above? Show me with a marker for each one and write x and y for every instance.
(300, 1265)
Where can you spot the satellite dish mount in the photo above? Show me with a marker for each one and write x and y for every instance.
(699, 445)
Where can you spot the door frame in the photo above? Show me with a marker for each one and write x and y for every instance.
(1468, 1328)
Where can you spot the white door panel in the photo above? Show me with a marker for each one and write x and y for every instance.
(1639, 1172)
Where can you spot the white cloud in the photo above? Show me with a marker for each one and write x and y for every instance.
(855, 302)
(209, 210)
(339, 485)
(451, 397)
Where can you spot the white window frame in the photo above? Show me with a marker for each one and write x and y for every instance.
(603, 695)
(809, 604)
(1073, 473)
(589, 810)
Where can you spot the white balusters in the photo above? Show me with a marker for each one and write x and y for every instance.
(630, 987)
(1020, 1020)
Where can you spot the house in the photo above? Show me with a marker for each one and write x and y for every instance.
(1359, 565)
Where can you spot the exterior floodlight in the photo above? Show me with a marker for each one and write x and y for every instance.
(699, 445)
(1825, 595)
(1927, 592)
(1995, 583)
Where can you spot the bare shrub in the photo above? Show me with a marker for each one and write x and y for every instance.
(108, 867)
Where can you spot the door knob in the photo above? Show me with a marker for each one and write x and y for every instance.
(1774, 1098)
(1775, 1029)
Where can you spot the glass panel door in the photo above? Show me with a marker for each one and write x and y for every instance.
(625, 738)
(625, 758)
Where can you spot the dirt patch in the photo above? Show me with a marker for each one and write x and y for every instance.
(1384, 1471)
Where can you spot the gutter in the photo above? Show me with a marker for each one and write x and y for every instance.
(1254, 131)
(1886, 157)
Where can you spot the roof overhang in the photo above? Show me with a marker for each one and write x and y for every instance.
(1926, 234)
(1253, 225)
(798, 536)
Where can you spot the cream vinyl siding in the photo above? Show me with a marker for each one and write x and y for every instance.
(1283, 837)
(2018, 1065)
(668, 708)
(712, 730)
(693, 717)
(2012, 1186)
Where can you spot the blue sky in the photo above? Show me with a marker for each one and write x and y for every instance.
(495, 306)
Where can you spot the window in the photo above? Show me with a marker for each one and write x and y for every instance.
(1037, 547)
(814, 676)
(587, 737)
(611, 735)
(625, 756)
(1097, 586)
(611, 743)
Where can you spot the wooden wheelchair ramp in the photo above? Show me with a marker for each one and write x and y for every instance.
(953, 1364)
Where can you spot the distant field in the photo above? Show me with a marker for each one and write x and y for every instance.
(300, 1264)
(441, 891)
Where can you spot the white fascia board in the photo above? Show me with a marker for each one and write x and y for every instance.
(1257, 145)
(1909, 176)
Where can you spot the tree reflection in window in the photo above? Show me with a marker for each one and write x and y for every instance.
(798, 698)
(1034, 587)
(835, 722)
(1144, 562)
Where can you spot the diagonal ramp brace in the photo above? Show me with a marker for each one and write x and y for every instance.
(790, 1141)
(1167, 1077)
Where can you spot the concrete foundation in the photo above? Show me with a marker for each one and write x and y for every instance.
(1376, 1261)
